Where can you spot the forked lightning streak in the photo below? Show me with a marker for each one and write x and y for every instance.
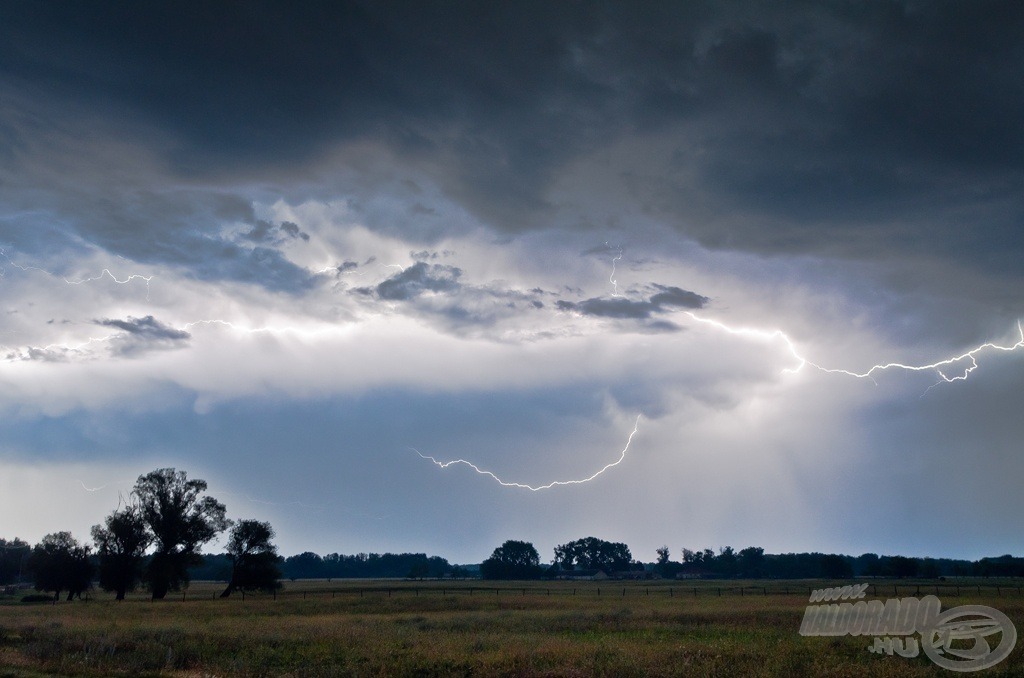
(535, 488)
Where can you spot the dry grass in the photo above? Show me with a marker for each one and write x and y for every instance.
(443, 629)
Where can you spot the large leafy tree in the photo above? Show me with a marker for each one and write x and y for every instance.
(180, 521)
(254, 559)
(60, 563)
(591, 553)
(512, 560)
(121, 543)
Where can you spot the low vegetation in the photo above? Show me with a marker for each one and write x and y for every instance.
(457, 628)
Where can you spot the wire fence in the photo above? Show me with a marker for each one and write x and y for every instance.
(207, 591)
(630, 590)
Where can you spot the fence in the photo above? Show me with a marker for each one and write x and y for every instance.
(894, 590)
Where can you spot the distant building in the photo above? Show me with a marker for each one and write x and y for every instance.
(595, 575)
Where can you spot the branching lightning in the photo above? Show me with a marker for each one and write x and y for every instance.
(536, 488)
(951, 369)
(102, 274)
(971, 355)
(801, 362)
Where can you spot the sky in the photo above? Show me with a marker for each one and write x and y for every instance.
(313, 253)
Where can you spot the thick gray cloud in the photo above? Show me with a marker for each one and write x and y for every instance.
(141, 335)
(666, 298)
(844, 179)
(844, 127)
(264, 231)
(419, 278)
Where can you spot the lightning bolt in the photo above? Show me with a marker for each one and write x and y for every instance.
(537, 488)
(611, 277)
(125, 481)
(766, 335)
(102, 274)
(971, 355)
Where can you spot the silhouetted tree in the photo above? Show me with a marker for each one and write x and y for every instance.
(725, 564)
(751, 562)
(121, 544)
(13, 557)
(664, 567)
(253, 558)
(306, 565)
(868, 565)
(591, 553)
(419, 570)
(60, 563)
(902, 566)
(512, 560)
(835, 567)
(180, 521)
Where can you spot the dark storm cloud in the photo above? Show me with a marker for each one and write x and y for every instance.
(452, 305)
(419, 278)
(623, 308)
(842, 127)
(141, 335)
(677, 298)
(179, 228)
(615, 307)
(292, 230)
(264, 231)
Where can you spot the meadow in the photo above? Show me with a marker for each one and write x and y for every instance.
(381, 628)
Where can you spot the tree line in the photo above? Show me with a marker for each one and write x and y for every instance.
(152, 538)
(520, 560)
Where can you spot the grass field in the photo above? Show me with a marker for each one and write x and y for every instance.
(461, 628)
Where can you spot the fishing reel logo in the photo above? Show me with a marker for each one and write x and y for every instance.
(972, 625)
(959, 639)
